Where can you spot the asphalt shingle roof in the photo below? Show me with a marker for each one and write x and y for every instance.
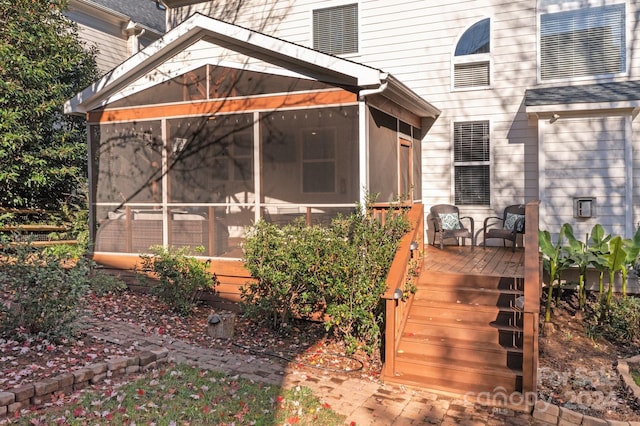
(144, 12)
(590, 93)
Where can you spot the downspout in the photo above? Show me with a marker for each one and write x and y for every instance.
(363, 140)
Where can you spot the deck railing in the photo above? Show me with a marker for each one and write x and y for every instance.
(532, 290)
(397, 299)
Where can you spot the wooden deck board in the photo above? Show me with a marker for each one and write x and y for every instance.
(490, 261)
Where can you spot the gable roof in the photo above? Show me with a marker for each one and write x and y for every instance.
(300, 59)
(615, 95)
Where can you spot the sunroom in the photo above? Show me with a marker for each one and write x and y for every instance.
(214, 127)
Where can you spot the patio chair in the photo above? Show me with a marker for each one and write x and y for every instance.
(447, 223)
(506, 227)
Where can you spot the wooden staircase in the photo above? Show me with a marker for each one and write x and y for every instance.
(463, 335)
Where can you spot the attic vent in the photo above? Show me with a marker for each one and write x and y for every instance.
(471, 75)
(335, 29)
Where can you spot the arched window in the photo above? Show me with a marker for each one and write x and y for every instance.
(471, 58)
(475, 40)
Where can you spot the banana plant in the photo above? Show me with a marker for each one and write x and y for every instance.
(632, 250)
(554, 262)
(579, 255)
(615, 262)
(600, 249)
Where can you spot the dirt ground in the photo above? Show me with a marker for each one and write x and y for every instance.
(579, 372)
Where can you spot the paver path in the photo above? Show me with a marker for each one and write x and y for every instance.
(364, 402)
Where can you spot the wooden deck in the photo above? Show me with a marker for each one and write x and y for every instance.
(467, 260)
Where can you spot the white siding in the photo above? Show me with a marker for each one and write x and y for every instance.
(112, 50)
(584, 157)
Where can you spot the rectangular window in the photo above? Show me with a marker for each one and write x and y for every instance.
(471, 75)
(471, 152)
(335, 29)
(318, 161)
(583, 42)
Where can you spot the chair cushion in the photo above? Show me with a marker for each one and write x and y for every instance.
(511, 220)
(449, 220)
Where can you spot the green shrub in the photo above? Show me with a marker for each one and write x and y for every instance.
(181, 277)
(45, 297)
(358, 270)
(290, 266)
(103, 284)
(619, 322)
(340, 271)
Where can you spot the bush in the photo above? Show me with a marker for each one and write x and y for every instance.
(103, 284)
(618, 323)
(290, 266)
(181, 277)
(339, 271)
(45, 297)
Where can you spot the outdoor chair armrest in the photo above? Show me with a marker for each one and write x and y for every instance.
(494, 218)
(470, 222)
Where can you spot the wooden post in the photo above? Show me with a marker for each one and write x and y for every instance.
(221, 326)
(128, 230)
(211, 217)
(532, 290)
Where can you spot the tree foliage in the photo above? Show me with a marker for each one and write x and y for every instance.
(42, 64)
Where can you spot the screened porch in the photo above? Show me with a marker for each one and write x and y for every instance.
(196, 160)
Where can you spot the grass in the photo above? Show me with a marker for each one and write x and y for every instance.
(183, 395)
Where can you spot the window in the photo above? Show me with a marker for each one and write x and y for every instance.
(318, 161)
(335, 29)
(471, 58)
(583, 42)
(471, 151)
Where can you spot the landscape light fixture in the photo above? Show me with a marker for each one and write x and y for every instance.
(397, 294)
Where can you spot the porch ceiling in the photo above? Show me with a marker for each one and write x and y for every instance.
(300, 59)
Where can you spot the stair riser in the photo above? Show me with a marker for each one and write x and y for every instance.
(467, 316)
(469, 297)
(457, 355)
(442, 334)
(444, 376)
(451, 282)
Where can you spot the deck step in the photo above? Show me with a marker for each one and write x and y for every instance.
(469, 391)
(459, 351)
(423, 310)
(479, 377)
(469, 295)
(430, 280)
(500, 335)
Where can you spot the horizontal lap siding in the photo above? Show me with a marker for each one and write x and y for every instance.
(112, 48)
(584, 157)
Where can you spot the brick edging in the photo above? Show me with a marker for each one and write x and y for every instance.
(41, 392)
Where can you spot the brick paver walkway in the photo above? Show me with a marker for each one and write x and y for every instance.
(364, 402)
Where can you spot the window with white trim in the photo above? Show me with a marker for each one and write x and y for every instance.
(589, 41)
(471, 58)
(471, 163)
(335, 29)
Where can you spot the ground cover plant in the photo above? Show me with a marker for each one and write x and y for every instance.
(179, 278)
(634, 369)
(179, 394)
